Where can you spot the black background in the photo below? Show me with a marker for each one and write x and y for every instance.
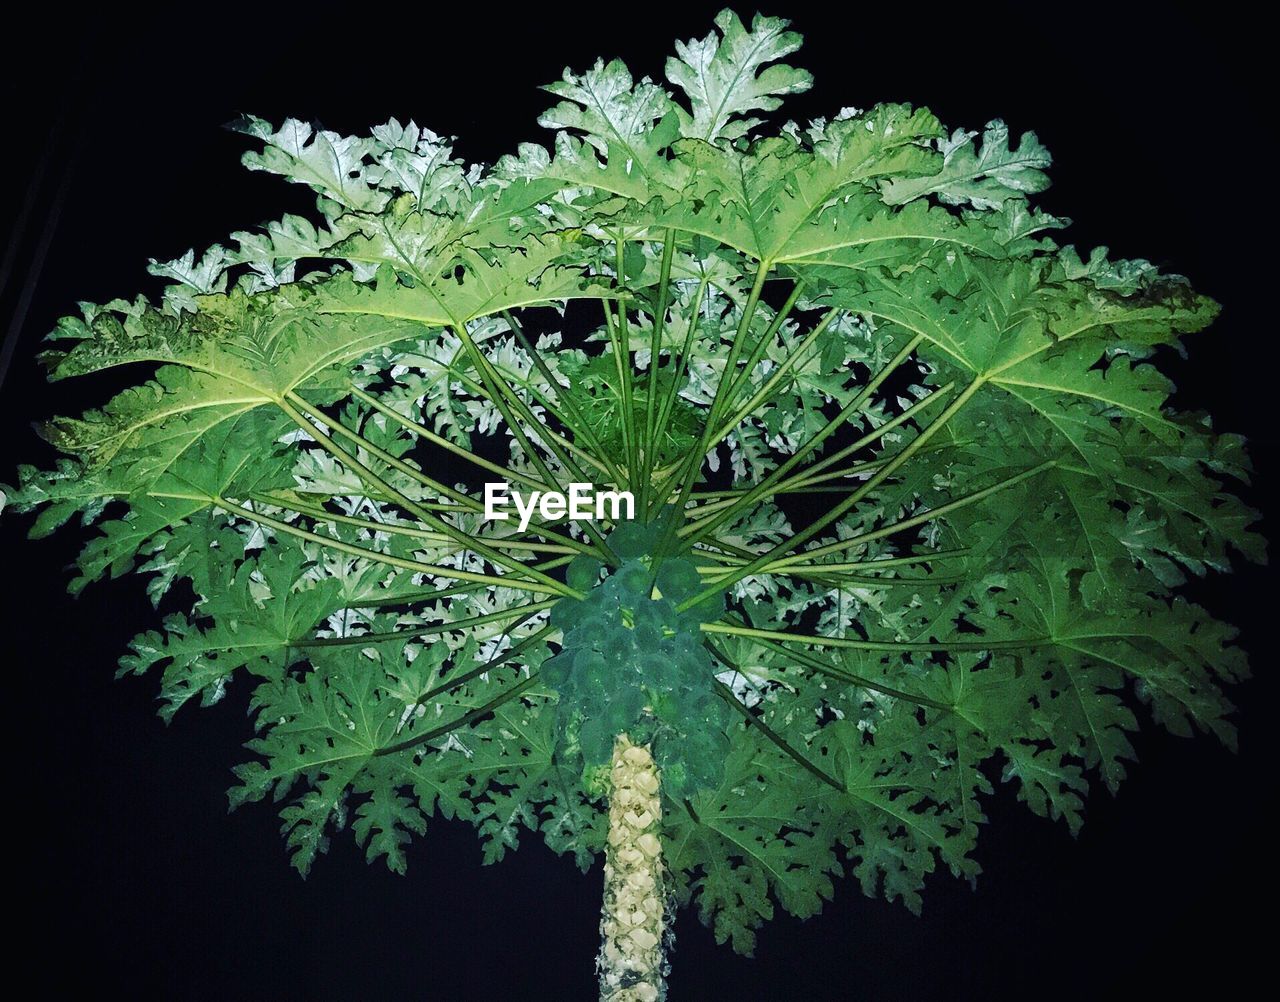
(131, 876)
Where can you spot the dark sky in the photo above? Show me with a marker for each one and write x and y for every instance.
(132, 875)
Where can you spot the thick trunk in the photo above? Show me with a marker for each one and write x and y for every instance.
(633, 918)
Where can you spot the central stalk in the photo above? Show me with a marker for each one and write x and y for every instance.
(635, 689)
(631, 964)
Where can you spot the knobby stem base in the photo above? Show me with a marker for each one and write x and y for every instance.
(633, 920)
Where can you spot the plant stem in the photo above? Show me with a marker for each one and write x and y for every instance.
(854, 406)
(725, 693)
(838, 512)
(797, 354)
(655, 354)
(862, 538)
(366, 474)
(763, 344)
(883, 646)
(579, 425)
(620, 343)
(451, 573)
(319, 514)
(419, 596)
(320, 418)
(678, 366)
(828, 670)
(519, 689)
(633, 919)
(422, 431)
(693, 465)
(430, 629)
(500, 389)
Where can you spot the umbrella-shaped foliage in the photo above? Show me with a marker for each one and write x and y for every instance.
(911, 511)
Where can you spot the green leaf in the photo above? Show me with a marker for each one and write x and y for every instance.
(981, 175)
(332, 165)
(249, 630)
(749, 842)
(608, 108)
(725, 77)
